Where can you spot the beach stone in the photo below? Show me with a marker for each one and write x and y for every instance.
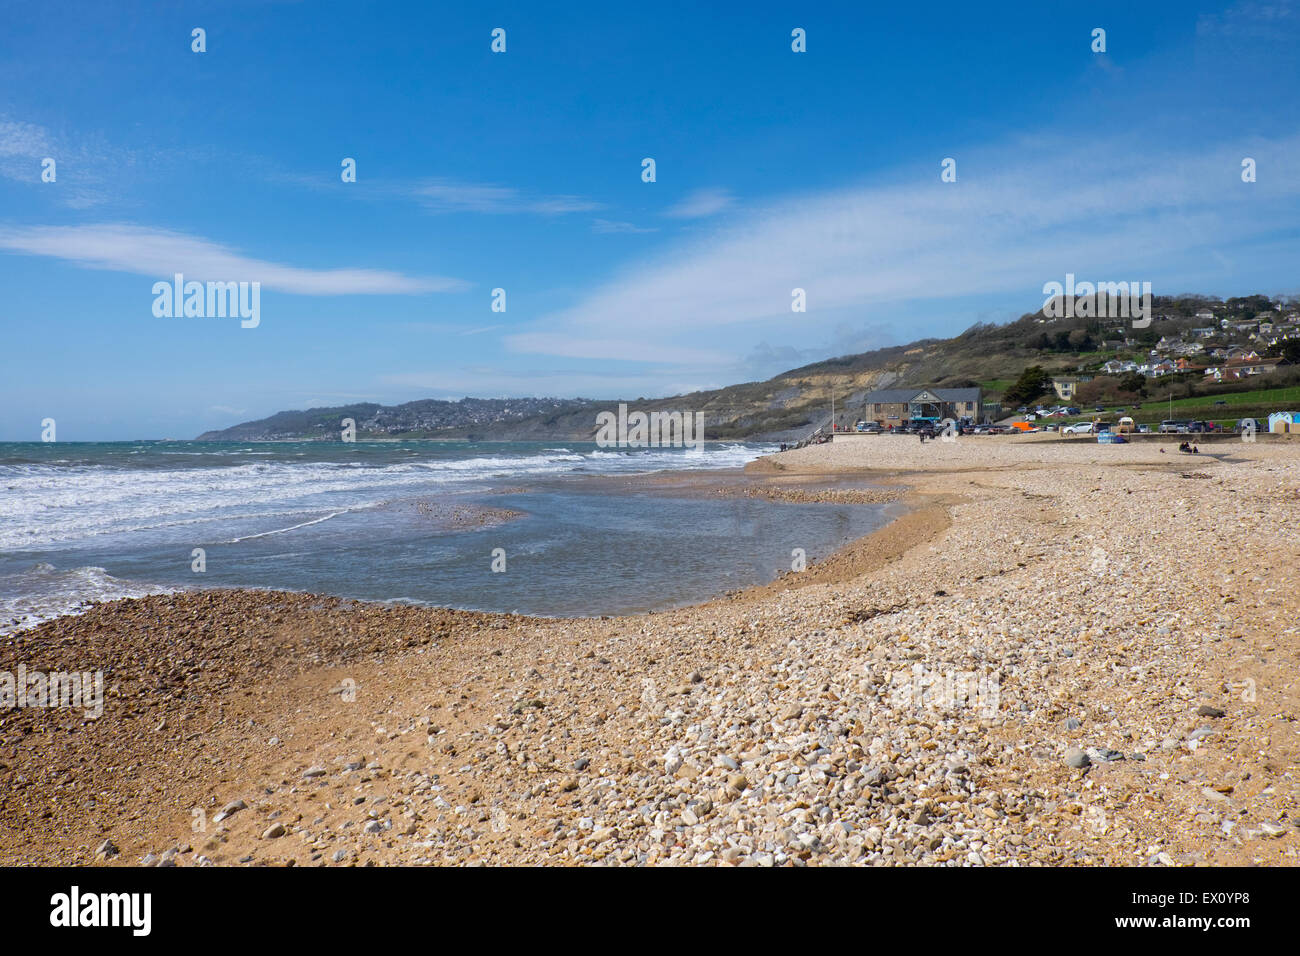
(274, 831)
(1074, 757)
(1103, 754)
(1205, 710)
(672, 761)
(229, 810)
(312, 772)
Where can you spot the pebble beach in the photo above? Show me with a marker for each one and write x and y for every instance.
(1059, 653)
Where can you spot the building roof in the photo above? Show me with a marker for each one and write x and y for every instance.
(902, 396)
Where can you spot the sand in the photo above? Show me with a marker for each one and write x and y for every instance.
(1059, 653)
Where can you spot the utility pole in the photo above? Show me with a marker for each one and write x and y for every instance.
(832, 411)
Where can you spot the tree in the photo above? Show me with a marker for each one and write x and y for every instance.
(1080, 341)
(1033, 381)
(1134, 382)
(1288, 349)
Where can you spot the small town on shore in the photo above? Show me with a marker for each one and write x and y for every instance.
(1228, 376)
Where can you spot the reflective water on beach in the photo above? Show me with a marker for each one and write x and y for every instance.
(410, 521)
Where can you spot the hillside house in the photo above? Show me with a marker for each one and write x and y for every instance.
(1237, 369)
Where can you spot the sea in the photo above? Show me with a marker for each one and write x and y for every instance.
(528, 527)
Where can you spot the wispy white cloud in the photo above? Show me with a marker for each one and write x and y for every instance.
(492, 381)
(701, 204)
(78, 185)
(23, 140)
(608, 226)
(1019, 216)
(1253, 19)
(159, 253)
(446, 196)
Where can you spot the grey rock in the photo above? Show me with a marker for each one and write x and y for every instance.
(1074, 757)
(229, 810)
(1103, 754)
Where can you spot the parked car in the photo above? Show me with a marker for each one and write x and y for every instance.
(1171, 426)
(1078, 428)
(1144, 429)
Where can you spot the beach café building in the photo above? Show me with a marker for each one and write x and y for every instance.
(893, 406)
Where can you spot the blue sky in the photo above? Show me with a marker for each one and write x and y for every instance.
(522, 171)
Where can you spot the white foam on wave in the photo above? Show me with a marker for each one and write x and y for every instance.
(304, 524)
(41, 506)
(44, 592)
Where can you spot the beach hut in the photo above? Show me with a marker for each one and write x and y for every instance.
(1283, 422)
